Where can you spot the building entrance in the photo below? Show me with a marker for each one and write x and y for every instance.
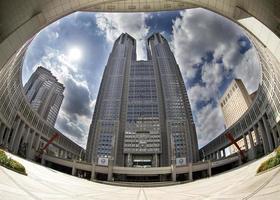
(142, 160)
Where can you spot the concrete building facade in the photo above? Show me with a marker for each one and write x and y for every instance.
(45, 94)
(262, 118)
(142, 116)
(234, 103)
(22, 130)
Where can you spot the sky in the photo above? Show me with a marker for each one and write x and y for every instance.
(209, 49)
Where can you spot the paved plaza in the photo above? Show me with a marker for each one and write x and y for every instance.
(45, 183)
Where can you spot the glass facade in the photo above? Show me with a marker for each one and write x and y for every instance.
(142, 116)
(142, 130)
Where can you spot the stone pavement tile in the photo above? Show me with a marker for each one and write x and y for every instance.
(47, 184)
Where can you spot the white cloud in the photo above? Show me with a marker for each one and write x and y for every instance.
(249, 70)
(199, 93)
(212, 75)
(114, 24)
(209, 123)
(196, 33)
(53, 35)
(76, 110)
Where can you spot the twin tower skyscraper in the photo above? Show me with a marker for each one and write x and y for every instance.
(142, 116)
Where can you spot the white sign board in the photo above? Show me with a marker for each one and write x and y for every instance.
(103, 161)
(181, 161)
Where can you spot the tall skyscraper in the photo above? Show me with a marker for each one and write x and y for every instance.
(142, 117)
(45, 94)
(234, 103)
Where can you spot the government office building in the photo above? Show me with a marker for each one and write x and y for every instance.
(142, 116)
(45, 94)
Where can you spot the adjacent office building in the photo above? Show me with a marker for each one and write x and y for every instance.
(45, 94)
(142, 117)
(234, 103)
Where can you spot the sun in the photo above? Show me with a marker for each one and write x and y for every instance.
(74, 53)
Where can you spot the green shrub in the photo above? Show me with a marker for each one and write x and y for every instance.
(271, 162)
(278, 150)
(10, 163)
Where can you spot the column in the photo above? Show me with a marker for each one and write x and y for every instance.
(63, 154)
(17, 141)
(43, 161)
(219, 154)
(252, 144)
(267, 130)
(264, 138)
(38, 142)
(2, 129)
(6, 138)
(110, 169)
(245, 141)
(274, 134)
(25, 140)
(74, 168)
(209, 168)
(190, 172)
(14, 135)
(30, 144)
(92, 172)
(224, 153)
(27, 134)
(173, 171)
(59, 153)
(278, 130)
(258, 140)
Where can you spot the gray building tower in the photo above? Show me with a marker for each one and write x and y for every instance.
(45, 94)
(142, 117)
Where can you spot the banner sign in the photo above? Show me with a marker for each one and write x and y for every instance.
(181, 161)
(103, 161)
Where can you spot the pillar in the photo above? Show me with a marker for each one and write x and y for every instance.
(6, 138)
(63, 154)
(38, 142)
(258, 140)
(219, 154)
(190, 172)
(173, 171)
(74, 168)
(59, 153)
(264, 138)
(17, 127)
(278, 130)
(209, 168)
(2, 129)
(27, 134)
(252, 144)
(224, 153)
(274, 134)
(110, 169)
(30, 144)
(92, 172)
(43, 161)
(267, 130)
(17, 141)
(245, 141)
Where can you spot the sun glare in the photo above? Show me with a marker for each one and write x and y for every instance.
(74, 53)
